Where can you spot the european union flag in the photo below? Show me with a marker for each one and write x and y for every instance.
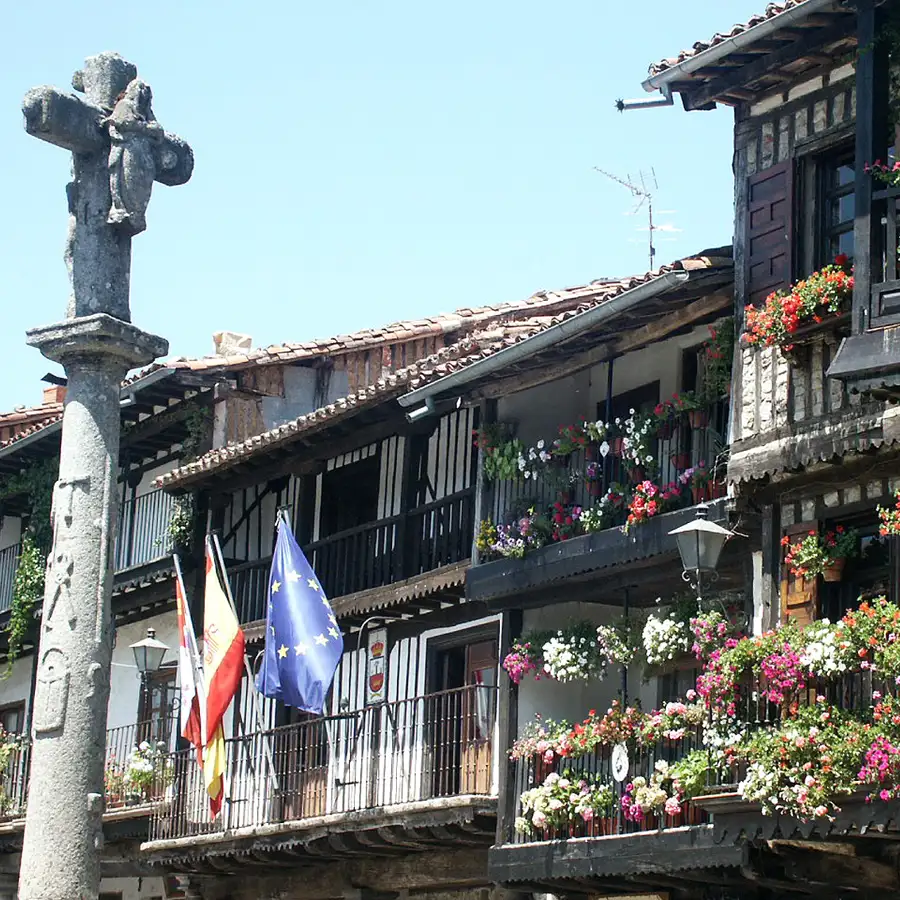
(303, 641)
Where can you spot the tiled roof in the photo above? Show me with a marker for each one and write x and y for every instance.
(465, 320)
(450, 359)
(772, 10)
(25, 421)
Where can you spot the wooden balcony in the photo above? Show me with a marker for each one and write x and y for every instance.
(122, 790)
(143, 530)
(353, 770)
(372, 555)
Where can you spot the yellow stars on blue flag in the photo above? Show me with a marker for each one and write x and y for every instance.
(301, 619)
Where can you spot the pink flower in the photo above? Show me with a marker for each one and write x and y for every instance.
(885, 794)
(673, 807)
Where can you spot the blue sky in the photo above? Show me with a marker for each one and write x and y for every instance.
(359, 163)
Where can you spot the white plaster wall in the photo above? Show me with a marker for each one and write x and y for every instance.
(17, 687)
(541, 410)
(10, 531)
(125, 681)
(134, 888)
(572, 701)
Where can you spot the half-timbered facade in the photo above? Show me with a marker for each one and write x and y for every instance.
(812, 458)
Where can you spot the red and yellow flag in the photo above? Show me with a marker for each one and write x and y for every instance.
(223, 668)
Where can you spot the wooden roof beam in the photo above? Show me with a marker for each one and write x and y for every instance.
(812, 41)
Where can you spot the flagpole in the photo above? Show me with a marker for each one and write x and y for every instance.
(220, 561)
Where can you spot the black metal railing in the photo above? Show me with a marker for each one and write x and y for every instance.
(586, 475)
(755, 707)
(9, 560)
(143, 535)
(371, 555)
(407, 751)
(124, 781)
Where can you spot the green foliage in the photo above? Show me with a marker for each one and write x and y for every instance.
(36, 482)
(198, 424)
(28, 589)
(181, 525)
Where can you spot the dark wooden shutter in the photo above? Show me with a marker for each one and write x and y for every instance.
(769, 231)
(799, 596)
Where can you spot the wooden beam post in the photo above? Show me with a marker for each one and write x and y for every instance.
(508, 726)
(871, 144)
(484, 492)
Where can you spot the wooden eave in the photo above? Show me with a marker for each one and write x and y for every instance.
(707, 296)
(810, 45)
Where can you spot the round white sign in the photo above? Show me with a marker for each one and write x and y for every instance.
(620, 762)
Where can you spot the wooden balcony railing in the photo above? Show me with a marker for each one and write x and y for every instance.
(589, 475)
(439, 745)
(125, 784)
(143, 530)
(9, 560)
(371, 555)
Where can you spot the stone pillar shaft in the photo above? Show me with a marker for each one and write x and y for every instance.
(72, 692)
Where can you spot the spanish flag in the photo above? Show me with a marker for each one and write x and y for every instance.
(223, 668)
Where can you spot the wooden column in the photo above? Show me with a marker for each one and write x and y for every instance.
(484, 492)
(871, 144)
(771, 565)
(508, 726)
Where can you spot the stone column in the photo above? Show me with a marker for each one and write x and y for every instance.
(63, 831)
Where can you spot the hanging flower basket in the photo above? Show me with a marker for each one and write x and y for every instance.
(618, 445)
(834, 570)
(665, 430)
(698, 418)
(636, 473)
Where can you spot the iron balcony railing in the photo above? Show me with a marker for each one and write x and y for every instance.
(9, 560)
(853, 692)
(143, 530)
(137, 768)
(371, 555)
(439, 745)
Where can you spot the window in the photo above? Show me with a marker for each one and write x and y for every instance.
(156, 705)
(837, 207)
(12, 718)
(350, 495)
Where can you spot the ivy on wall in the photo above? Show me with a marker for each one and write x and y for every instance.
(36, 483)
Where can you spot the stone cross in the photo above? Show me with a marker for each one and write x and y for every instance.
(118, 152)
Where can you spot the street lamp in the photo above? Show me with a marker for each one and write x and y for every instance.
(700, 545)
(148, 657)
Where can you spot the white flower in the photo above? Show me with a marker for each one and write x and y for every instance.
(540, 444)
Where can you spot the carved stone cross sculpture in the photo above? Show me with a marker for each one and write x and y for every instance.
(118, 152)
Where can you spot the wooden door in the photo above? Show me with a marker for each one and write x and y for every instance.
(479, 710)
(302, 767)
(799, 596)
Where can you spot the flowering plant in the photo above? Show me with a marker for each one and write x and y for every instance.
(573, 654)
(619, 724)
(665, 639)
(561, 800)
(606, 512)
(648, 501)
(571, 438)
(645, 797)
(618, 642)
(514, 540)
(542, 737)
(718, 355)
(145, 765)
(486, 537)
(889, 175)
(686, 402)
(523, 659)
(881, 769)
(801, 767)
(824, 293)
(805, 558)
(500, 451)
(710, 630)
(673, 721)
(638, 432)
(565, 521)
(533, 461)
(890, 517)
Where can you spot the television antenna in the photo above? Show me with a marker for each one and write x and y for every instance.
(643, 196)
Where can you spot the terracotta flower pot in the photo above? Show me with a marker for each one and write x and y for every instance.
(590, 453)
(665, 430)
(674, 821)
(636, 473)
(617, 445)
(595, 488)
(698, 418)
(834, 571)
(681, 461)
(701, 493)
